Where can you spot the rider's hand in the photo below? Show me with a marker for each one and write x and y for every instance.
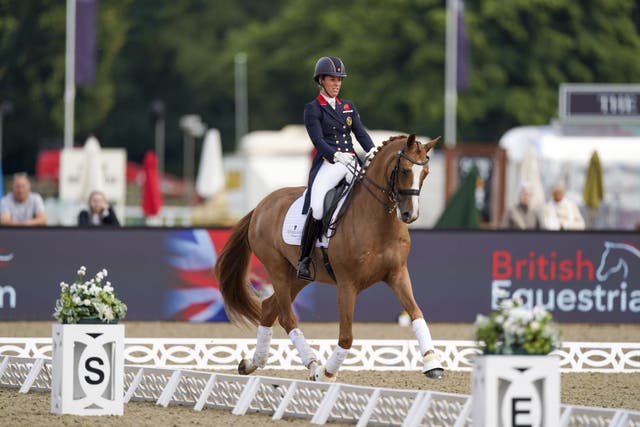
(368, 156)
(344, 158)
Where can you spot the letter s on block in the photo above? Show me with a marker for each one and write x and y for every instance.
(99, 372)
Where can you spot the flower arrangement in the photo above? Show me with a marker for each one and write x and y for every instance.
(516, 329)
(93, 298)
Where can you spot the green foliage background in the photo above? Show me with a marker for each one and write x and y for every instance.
(182, 53)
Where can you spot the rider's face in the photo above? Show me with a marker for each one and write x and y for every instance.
(331, 85)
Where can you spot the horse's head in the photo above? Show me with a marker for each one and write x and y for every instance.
(405, 168)
(408, 175)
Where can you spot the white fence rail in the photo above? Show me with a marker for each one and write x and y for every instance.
(279, 397)
(392, 355)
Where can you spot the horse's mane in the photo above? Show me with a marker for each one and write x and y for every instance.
(381, 147)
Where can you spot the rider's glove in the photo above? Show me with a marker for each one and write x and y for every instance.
(368, 156)
(344, 158)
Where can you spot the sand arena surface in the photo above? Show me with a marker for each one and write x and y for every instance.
(590, 389)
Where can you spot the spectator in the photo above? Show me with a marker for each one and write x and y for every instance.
(522, 216)
(99, 212)
(561, 213)
(22, 206)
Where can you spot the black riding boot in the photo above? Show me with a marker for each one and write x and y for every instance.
(310, 233)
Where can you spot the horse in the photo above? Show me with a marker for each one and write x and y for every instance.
(616, 257)
(370, 244)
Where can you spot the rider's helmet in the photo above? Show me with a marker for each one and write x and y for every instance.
(329, 66)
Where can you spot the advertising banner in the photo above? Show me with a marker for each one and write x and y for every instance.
(166, 273)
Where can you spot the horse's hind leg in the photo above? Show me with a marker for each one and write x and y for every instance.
(285, 295)
(346, 305)
(263, 340)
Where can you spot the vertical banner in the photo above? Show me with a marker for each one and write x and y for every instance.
(462, 50)
(86, 46)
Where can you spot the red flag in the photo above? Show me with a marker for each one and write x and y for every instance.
(151, 196)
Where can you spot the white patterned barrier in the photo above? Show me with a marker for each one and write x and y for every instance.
(392, 355)
(279, 397)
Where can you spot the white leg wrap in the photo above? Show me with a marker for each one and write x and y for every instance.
(421, 331)
(263, 343)
(306, 354)
(336, 359)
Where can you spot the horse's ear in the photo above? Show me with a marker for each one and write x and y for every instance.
(411, 140)
(429, 145)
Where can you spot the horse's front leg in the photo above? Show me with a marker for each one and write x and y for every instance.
(346, 305)
(400, 284)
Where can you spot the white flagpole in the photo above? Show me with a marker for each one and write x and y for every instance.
(70, 76)
(242, 104)
(451, 69)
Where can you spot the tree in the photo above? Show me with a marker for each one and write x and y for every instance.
(32, 73)
(182, 52)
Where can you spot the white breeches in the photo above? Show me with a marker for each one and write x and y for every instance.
(327, 177)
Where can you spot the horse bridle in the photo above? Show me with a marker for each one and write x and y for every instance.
(391, 191)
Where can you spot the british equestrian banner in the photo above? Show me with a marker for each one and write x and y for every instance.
(165, 273)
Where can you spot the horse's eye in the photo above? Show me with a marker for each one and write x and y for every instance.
(405, 172)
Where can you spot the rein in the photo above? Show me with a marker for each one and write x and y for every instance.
(391, 191)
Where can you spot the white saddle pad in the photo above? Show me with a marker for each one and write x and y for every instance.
(294, 223)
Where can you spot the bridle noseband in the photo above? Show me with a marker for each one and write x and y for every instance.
(391, 191)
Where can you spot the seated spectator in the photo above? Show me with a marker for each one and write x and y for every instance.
(561, 213)
(22, 206)
(99, 212)
(522, 216)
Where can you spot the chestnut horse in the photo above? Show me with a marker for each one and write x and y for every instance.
(370, 245)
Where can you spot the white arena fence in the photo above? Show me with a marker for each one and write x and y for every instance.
(279, 397)
(391, 355)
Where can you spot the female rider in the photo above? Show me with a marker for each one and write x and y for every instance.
(329, 122)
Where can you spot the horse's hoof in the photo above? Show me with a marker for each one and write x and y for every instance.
(432, 367)
(435, 374)
(319, 374)
(246, 367)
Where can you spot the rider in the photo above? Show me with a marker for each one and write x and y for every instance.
(329, 122)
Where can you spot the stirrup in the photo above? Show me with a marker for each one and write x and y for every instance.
(305, 275)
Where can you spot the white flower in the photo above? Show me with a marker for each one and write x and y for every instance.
(481, 320)
(515, 328)
(86, 299)
(535, 325)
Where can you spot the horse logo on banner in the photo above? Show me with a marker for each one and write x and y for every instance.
(615, 258)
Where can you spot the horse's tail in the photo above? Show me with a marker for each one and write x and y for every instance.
(232, 272)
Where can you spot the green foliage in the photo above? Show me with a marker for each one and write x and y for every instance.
(183, 53)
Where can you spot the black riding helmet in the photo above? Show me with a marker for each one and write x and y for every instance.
(329, 66)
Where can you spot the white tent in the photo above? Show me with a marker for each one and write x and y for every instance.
(210, 170)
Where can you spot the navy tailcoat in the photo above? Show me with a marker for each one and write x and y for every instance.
(330, 131)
